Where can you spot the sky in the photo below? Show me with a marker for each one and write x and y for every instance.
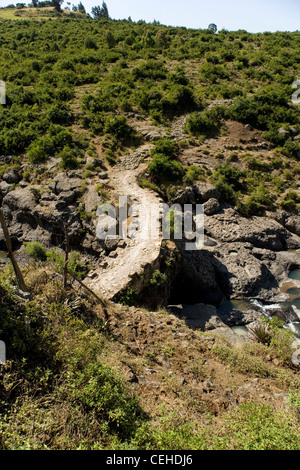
(252, 15)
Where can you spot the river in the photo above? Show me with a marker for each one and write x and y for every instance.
(287, 310)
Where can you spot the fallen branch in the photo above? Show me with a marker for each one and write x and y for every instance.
(101, 301)
(20, 280)
(66, 257)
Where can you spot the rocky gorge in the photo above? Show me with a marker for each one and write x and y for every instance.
(242, 257)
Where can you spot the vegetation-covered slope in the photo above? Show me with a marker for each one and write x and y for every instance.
(70, 80)
(140, 380)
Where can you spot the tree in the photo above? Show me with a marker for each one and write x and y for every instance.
(96, 11)
(57, 4)
(35, 3)
(81, 8)
(110, 39)
(100, 12)
(213, 27)
(104, 11)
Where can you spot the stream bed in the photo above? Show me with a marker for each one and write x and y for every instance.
(287, 310)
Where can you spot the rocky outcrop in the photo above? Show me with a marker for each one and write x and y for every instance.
(38, 213)
(201, 316)
(244, 258)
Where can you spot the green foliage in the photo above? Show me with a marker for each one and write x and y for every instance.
(206, 123)
(258, 427)
(36, 250)
(90, 43)
(166, 147)
(193, 174)
(261, 334)
(229, 180)
(158, 279)
(265, 109)
(68, 158)
(127, 297)
(259, 199)
(163, 169)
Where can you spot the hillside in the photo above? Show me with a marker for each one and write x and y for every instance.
(97, 109)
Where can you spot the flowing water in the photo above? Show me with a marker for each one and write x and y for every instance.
(287, 311)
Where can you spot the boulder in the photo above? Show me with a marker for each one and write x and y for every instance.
(11, 177)
(202, 316)
(205, 191)
(211, 206)
(185, 196)
(111, 242)
(283, 132)
(229, 226)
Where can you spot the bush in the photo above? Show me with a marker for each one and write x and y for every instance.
(206, 123)
(69, 160)
(193, 173)
(166, 147)
(36, 250)
(90, 43)
(158, 279)
(40, 150)
(164, 169)
(260, 199)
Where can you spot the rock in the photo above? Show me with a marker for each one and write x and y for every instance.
(186, 196)
(248, 127)
(292, 223)
(106, 226)
(69, 196)
(63, 183)
(233, 338)
(48, 196)
(283, 132)
(236, 317)
(4, 188)
(21, 199)
(11, 177)
(29, 221)
(249, 257)
(211, 206)
(111, 242)
(293, 130)
(202, 316)
(228, 227)
(205, 191)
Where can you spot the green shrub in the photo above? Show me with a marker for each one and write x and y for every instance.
(90, 43)
(193, 173)
(206, 123)
(40, 150)
(162, 169)
(36, 250)
(166, 147)
(158, 279)
(69, 160)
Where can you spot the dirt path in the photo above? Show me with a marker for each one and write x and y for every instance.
(130, 260)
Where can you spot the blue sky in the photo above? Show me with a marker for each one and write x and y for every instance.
(252, 15)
